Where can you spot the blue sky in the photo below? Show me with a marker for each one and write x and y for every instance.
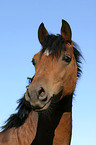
(19, 22)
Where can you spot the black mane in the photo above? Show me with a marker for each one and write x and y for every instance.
(18, 119)
(52, 43)
(78, 57)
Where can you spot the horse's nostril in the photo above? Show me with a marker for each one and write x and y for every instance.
(41, 91)
(42, 96)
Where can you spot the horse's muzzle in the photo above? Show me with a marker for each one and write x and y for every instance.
(39, 100)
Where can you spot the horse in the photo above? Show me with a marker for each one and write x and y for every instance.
(44, 114)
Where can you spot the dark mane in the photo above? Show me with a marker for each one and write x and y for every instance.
(78, 57)
(18, 119)
(55, 42)
(52, 43)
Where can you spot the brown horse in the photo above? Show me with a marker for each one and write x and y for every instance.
(44, 114)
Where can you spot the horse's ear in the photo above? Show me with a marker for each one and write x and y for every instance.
(42, 32)
(66, 31)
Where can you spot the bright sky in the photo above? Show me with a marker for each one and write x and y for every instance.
(19, 22)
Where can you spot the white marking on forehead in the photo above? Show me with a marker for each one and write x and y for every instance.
(47, 53)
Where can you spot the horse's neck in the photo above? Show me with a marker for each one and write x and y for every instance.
(63, 131)
(59, 113)
(27, 132)
(22, 135)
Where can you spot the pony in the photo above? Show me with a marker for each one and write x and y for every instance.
(44, 114)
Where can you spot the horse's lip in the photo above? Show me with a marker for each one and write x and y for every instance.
(38, 109)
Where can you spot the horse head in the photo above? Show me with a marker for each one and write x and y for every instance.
(55, 69)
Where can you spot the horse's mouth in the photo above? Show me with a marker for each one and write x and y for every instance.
(53, 99)
(44, 107)
(42, 104)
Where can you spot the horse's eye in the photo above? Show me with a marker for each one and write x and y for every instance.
(33, 61)
(66, 58)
